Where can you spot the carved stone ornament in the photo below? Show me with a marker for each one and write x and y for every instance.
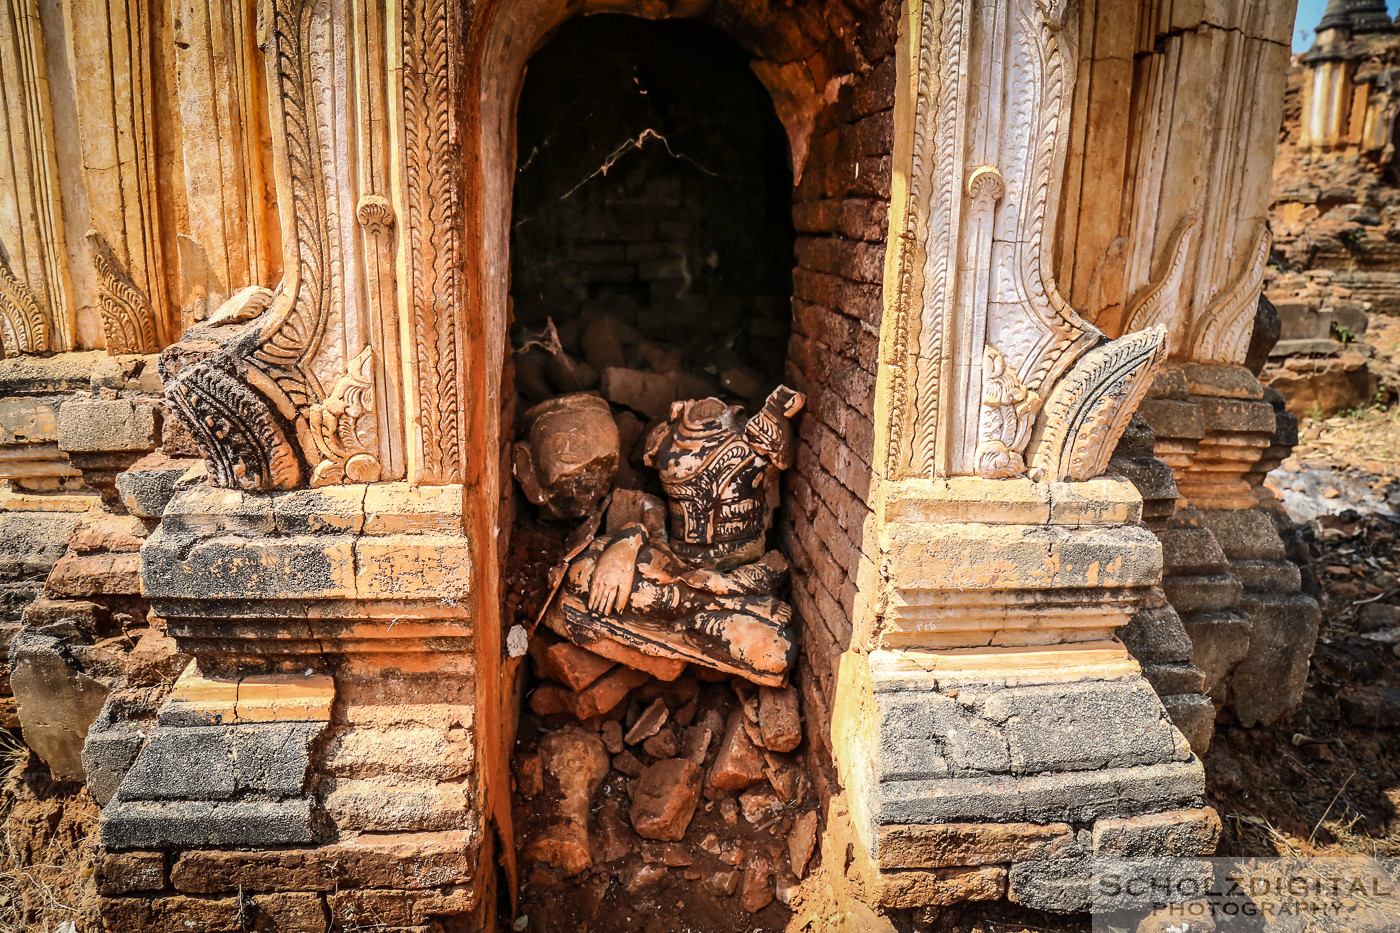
(128, 320)
(1090, 408)
(375, 214)
(1221, 332)
(980, 329)
(1008, 413)
(1160, 302)
(25, 326)
(343, 427)
(216, 392)
(697, 586)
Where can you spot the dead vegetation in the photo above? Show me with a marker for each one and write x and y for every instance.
(46, 853)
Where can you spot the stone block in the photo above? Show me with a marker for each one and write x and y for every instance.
(109, 751)
(376, 909)
(221, 762)
(903, 890)
(328, 510)
(177, 914)
(32, 542)
(145, 824)
(1203, 593)
(1245, 534)
(1168, 679)
(75, 576)
(1219, 641)
(92, 424)
(1173, 418)
(1269, 680)
(296, 567)
(999, 729)
(290, 912)
(395, 803)
(405, 860)
(1174, 833)
(401, 509)
(946, 845)
(208, 511)
(437, 567)
(1194, 716)
(28, 420)
(1156, 636)
(125, 872)
(1054, 885)
(57, 701)
(60, 374)
(1072, 796)
(147, 487)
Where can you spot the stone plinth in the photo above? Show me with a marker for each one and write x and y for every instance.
(333, 693)
(999, 699)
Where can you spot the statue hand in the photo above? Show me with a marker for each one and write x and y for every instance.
(613, 576)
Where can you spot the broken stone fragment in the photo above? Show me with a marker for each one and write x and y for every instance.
(578, 762)
(651, 394)
(628, 764)
(669, 853)
(604, 340)
(757, 892)
(779, 718)
(649, 723)
(642, 876)
(696, 744)
(611, 734)
(615, 836)
(664, 799)
(602, 695)
(529, 775)
(801, 841)
(739, 764)
(759, 805)
(663, 745)
(574, 667)
(723, 883)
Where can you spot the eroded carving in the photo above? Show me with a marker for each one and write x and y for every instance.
(1090, 408)
(215, 391)
(1221, 332)
(128, 320)
(25, 327)
(1008, 413)
(1160, 302)
(375, 214)
(432, 245)
(691, 580)
(343, 427)
(567, 464)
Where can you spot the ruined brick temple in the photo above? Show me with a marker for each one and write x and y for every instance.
(459, 456)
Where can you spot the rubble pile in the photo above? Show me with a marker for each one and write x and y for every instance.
(686, 789)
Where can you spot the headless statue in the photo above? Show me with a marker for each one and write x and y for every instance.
(691, 579)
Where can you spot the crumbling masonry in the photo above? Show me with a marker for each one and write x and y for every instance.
(258, 414)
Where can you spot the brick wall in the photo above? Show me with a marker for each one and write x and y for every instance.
(840, 211)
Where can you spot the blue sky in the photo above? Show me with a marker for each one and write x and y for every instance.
(1309, 15)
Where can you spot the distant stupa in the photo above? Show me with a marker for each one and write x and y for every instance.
(1357, 16)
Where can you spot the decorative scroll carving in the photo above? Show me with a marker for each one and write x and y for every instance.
(1221, 333)
(216, 392)
(25, 327)
(376, 215)
(433, 219)
(1089, 408)
(1158, 304)
(1008, 413)
(986, 272)
(343, 427)
(128, 320)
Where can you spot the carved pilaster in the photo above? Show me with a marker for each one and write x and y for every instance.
(111, 61)
(34, 282)
(232, 239)
(25, 326)
(128, 320)
(978, 319)
(433, 247)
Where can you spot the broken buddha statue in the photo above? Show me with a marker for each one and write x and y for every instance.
(570, 459)
(692, 580)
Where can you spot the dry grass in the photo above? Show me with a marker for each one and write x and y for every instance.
(46, 868)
